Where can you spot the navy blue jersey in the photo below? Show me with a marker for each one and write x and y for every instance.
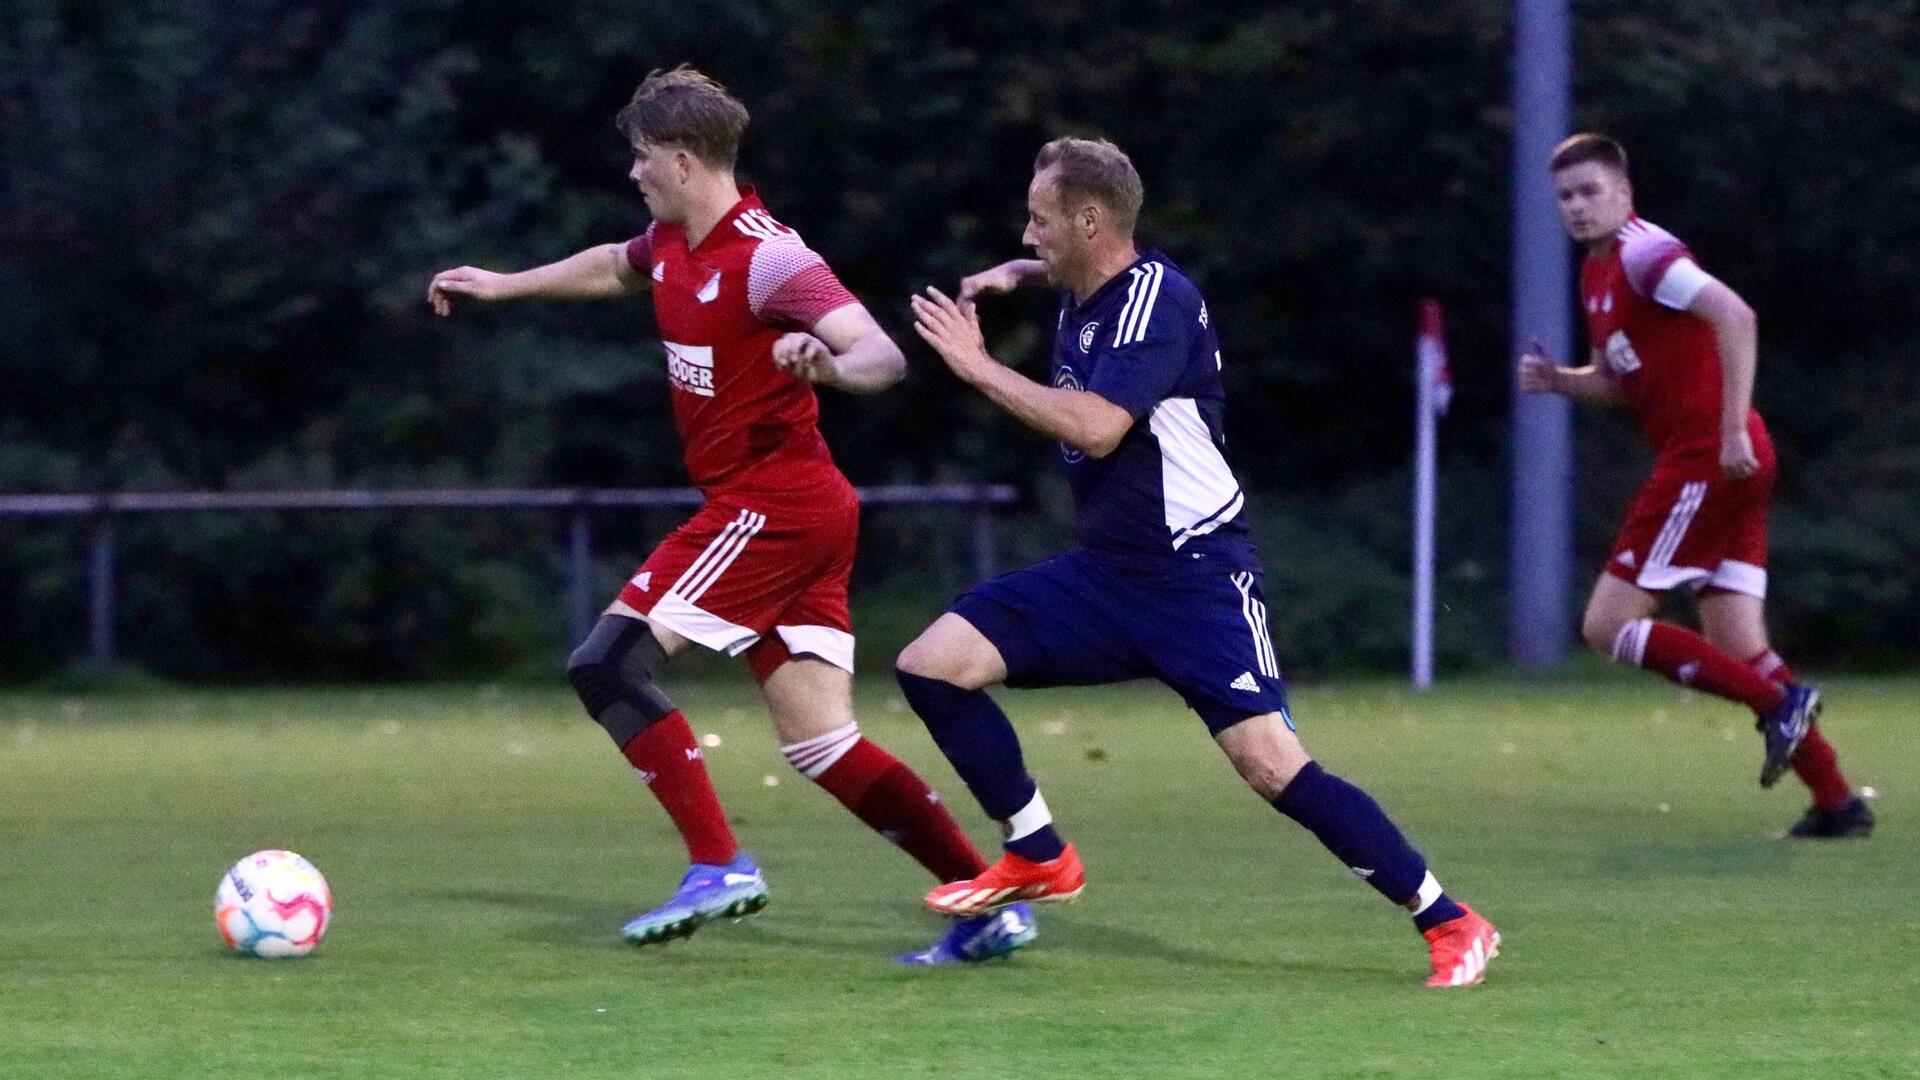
(1164, 502)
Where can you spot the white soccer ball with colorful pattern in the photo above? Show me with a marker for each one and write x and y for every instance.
(272, 903)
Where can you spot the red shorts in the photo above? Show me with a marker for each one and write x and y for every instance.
(1692, 533)
(743, 567)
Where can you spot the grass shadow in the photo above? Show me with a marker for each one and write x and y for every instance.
(568, 920)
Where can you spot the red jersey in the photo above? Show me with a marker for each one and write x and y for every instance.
(745, 425)
(1666, 360)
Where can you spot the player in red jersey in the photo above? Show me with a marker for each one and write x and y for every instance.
(751, 320)
(1678, 348)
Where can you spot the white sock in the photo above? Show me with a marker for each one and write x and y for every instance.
(1430, 891)
(1030, 818)
(818, 754)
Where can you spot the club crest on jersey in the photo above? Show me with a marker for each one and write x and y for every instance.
(690, 367)
(1087, 334)
(1620, 355)
(1604, 304)
(1067, 379)
(711, 290)
(660, 271)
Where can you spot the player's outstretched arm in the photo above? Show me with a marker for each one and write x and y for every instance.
(598, 273)
(1737, 333)
(1536, 373)
(1079, 418)
(847, 350)
(1004, 278)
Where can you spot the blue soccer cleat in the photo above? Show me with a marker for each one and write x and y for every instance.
(1784, 727)
(983, 937)
(733, 891)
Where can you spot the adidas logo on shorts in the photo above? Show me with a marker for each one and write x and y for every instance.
(1246, 682)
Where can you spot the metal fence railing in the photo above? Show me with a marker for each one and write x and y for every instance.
(977, 502)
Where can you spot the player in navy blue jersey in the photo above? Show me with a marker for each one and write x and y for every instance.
(1165, 582)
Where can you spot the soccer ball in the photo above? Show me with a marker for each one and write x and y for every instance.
(272, 903)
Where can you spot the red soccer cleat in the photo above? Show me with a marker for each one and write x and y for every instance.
(1462, 948)
(1010, 881)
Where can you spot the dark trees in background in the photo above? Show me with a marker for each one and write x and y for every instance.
(217, 221)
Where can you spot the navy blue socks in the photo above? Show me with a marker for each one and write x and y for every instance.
(979, 740)
(1359, 833)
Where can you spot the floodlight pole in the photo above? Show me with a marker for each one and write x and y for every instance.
(1541, 530)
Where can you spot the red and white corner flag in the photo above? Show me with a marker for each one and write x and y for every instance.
(1434, 371)
(1434, 392)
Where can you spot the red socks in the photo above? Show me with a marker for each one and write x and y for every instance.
(1815, 763)
(1688, 659)
(890, 798)
(872, 783)
(1818, 767)
(668, 761)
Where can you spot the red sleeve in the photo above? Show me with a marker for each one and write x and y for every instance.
(1647, 252)
(640, 251)
(788, 283)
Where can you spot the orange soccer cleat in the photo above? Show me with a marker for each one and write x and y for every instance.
(1462, 948)
(1010, 881)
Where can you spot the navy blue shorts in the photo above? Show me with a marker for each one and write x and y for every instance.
(1071, 622)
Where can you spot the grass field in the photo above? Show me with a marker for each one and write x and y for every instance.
(485, 843)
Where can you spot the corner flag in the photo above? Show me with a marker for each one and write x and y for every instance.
(1434, 371)
(1434, 381)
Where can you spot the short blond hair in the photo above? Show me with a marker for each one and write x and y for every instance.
(1094, 170)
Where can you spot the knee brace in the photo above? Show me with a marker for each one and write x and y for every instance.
(613, 672)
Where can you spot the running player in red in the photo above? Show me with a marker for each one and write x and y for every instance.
(1678, 348)
(751, 320)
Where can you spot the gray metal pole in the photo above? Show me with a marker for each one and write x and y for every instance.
(984, 555)
(100, 573)
(579, 575)
(1542, 513)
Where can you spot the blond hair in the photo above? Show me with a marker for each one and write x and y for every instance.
(1094, 170)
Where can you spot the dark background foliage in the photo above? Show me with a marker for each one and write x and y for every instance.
(217, 221)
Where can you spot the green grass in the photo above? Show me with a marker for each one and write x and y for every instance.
(485, 844)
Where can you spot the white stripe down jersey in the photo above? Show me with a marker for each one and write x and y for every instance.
(1164, 502)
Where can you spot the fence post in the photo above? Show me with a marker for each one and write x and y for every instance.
(579, 573)
(983, 540)
(100, 575)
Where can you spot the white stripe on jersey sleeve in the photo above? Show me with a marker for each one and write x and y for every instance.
(1142, 292)
(1146, 309)
(1126, 309)
(761, 225)
(1680, 284)
(1200, 491)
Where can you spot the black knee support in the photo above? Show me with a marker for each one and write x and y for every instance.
(613, 672)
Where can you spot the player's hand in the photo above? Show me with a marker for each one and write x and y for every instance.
(468, 281)
(953, 329)
(999, 279)
(1534, 373)
(804, 356)
(1737, 459)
